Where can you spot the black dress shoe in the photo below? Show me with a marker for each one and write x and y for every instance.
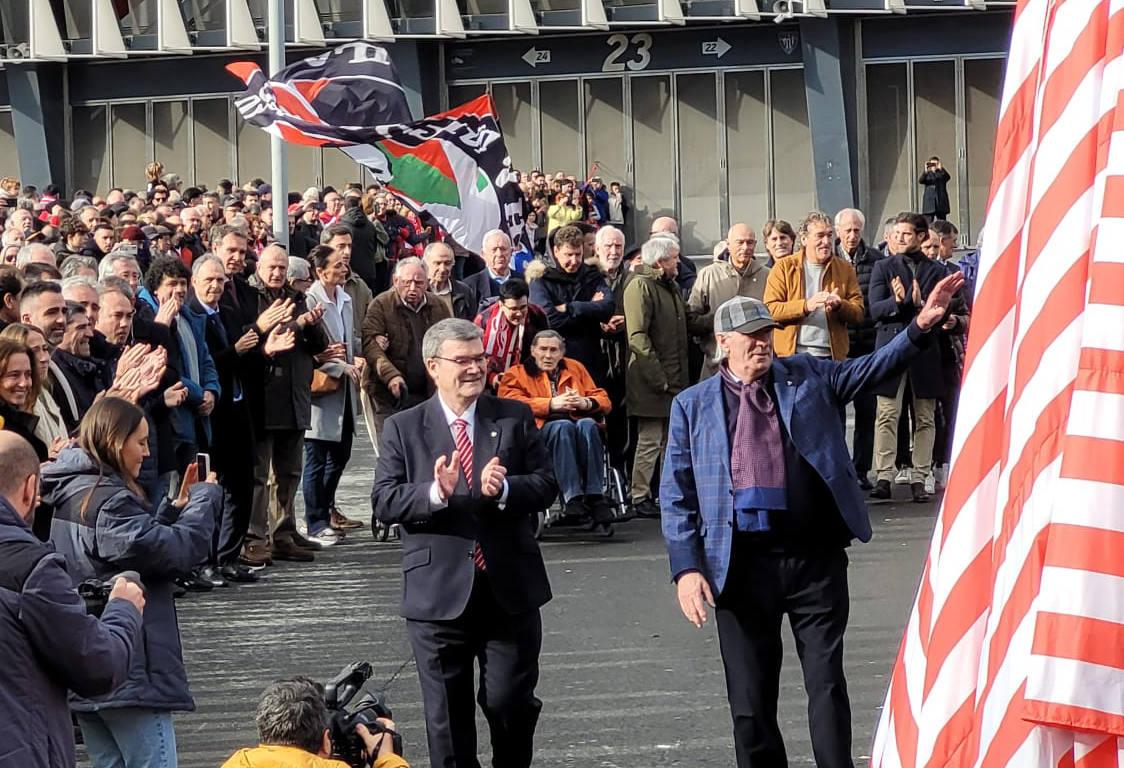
(646, 508)
(576, 508)
(178, 589)
(919, 494)
(864, 482)
(239, 574)
(192, 583)
(211, 575)
(881, 490)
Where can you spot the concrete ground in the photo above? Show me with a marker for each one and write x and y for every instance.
(626, 681)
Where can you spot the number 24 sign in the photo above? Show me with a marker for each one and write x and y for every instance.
(638, 45)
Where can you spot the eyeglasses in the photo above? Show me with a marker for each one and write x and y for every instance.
(465, 362)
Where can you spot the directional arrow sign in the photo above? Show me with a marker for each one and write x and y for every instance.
(717, 48)
(534, 56)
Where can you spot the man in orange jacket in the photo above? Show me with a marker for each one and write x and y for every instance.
(293, 723)
(569, 410)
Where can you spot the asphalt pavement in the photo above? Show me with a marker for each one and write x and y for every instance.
(626, 682)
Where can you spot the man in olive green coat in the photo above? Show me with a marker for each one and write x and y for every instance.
(656, 322)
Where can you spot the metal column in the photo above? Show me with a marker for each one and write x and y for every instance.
(827, 113)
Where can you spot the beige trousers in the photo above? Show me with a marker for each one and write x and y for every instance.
(886, 435)
(651, 439)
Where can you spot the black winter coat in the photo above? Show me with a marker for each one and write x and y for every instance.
(120, 532)
(368, 245)
(934, 202)
(862, 335)
(51, 646)
(305, 237)
(580, 323)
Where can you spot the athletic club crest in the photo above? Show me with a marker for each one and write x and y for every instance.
(788, 40)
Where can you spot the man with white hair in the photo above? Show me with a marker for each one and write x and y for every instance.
(458, 297)
(656, 322)
(849, 245)
(485, 284)
(686, 271)
(392, 335)
(35, 253)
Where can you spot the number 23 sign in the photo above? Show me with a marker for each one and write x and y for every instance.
(633, 52)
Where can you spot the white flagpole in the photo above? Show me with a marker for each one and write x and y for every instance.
(277, 150)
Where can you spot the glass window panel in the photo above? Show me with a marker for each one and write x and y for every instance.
(253, 151)
(130, 145)
(699, 220)
(340, 10)
(91, 158)
(653, 142)
(204, 15)
(795, 178)
(543, 6)
(747, 130)
(9, 157)
(934, 102)
(983, 85)
(462, 94)
(604, 128)
(561, 141)
(140, 18)
(889, 161)
(15, 22)
(76, 20)
(303, 166)
(212, 141)
(339, 169)
(482, 7)
(516, 115)
(171, 131)
(411, 9)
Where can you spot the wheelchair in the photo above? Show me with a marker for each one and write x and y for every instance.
(615, 490)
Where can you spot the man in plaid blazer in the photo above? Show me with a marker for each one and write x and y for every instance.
(759, 500)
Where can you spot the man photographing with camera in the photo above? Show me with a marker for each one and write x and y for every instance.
(50, 644)
(293, 727)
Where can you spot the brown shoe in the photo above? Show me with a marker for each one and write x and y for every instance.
(341, 522)
(256, 556)
(283, 549)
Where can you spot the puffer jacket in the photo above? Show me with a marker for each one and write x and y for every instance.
(50, 646)
(580, 323)
(862, 335)
(656, 320)
(119, 532)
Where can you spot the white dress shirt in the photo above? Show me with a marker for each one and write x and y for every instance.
(469, 417)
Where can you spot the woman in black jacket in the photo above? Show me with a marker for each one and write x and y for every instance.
(19, 388)
(102, 525)
(934, 203)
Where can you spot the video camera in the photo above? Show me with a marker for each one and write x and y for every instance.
(95, 592)
(338, 693)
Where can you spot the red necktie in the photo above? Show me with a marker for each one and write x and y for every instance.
(464, 450)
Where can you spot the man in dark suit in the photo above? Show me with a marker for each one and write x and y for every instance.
(464, 475)
(485, 284)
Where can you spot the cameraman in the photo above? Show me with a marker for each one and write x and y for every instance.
(293, 723)
(50, 644)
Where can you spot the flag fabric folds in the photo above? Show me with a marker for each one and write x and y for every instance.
(1014, 652)
(453, 166)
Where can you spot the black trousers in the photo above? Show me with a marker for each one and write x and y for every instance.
(507, 649)
(946, 421)
(232, 457)
(761, 588)
(862, 448)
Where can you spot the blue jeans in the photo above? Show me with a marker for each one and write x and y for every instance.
(129, 738)
(324, 463)
(579, 459)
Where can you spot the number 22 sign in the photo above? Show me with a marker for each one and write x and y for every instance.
(639, 45)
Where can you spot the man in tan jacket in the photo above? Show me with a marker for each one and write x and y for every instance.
(814, 295)
(740, 274)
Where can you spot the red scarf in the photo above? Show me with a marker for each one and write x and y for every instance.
(503, 342)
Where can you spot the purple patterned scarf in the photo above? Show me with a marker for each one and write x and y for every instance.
(757, 471)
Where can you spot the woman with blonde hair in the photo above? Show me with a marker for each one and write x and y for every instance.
(102, 525)
(51, 428)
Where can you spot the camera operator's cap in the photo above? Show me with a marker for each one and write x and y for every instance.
(742, 314)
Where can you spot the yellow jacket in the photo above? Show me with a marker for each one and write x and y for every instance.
(785, 297)
(272, 756)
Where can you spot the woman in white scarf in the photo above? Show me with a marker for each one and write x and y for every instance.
(51, 429)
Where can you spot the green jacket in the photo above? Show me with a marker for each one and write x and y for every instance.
(656, 319)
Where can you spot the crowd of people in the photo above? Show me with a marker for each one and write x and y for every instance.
(158, 343)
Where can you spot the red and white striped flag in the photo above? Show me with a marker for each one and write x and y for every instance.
(1014, 652)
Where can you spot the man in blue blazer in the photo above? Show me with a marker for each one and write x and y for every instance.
(759, 500)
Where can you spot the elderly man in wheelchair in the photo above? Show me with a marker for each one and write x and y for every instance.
(570, 411)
